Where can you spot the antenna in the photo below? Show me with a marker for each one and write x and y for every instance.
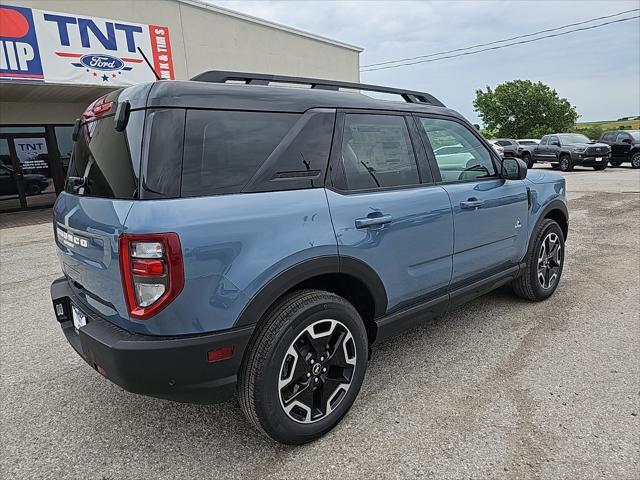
(149, 64)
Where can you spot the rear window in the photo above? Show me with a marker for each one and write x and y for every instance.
(224, 149)
(109, 160)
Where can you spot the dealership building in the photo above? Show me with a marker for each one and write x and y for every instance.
(57, 56)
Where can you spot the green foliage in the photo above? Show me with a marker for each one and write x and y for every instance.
(521, 108)
(593, 131)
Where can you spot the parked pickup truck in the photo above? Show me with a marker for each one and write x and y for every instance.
(566, 150)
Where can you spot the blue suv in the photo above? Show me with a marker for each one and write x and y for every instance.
(227, 234)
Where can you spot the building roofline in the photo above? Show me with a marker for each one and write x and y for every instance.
(267, 23)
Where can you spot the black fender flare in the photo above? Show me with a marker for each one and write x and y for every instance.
(555, 204)
(306, 270)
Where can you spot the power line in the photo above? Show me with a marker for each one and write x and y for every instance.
(497, 47)
(503, 40)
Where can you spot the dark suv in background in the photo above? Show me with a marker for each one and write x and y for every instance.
(567, 150)
(625, 146)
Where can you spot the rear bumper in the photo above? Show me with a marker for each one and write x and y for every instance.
(175, 368)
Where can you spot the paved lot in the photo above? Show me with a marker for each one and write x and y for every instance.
(499, 388)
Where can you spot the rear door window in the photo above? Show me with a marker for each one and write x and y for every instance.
(377, 152)
(224, 149)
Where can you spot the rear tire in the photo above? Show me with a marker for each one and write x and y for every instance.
(32, 189)
(615, 163)
(600, 167)
(526, 158)
(635, 160)
(566, 164)
(304, 366)
(544, 263)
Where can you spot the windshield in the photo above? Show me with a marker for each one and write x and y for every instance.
(573, 138)
(635, 134)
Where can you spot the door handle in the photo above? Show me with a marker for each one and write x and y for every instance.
(373, 221)
(472, 203)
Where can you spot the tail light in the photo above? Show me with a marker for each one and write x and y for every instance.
(152, 271)
(97, 109)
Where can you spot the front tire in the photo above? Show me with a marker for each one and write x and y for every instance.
(526, 158)
(305, 366)
(566, 164)
(545, 260)
(615, 163)
(635, 160)
(600, 167)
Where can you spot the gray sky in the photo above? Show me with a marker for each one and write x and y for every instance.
(597, 70)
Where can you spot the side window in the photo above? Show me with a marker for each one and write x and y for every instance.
(503, 143)
(553, 139)
(472, 161)
(621, 137)
(223, 150)
(544, 140)
(377, 152)
(609, 137)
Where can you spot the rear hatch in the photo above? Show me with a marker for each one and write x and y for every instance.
(90, 215)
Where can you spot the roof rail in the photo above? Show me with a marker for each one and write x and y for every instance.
(220, 76)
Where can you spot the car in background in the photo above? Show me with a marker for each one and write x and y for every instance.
(497, 147)
(625, 147)
(34, 183)
(567, 150)
(509, 145)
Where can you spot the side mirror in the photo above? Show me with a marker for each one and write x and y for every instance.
(626, 140)
(513, 169)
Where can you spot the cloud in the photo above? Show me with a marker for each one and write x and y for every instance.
(597, 70)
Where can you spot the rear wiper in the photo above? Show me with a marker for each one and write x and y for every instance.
(76, 183)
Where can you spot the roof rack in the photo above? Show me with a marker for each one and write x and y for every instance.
(220, 76)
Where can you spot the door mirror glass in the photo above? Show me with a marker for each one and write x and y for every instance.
(513, 169)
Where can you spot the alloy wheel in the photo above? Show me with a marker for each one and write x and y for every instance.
(635, 161)
(317, 371)
(549, 261)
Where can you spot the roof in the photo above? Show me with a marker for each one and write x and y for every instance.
(266, 23)
(229, 96)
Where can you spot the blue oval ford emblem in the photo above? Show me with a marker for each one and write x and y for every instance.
(101, 62)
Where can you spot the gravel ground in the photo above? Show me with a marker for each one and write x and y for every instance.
(499, 388)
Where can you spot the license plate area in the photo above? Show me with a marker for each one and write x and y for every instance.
(598, 159)
(79, 318)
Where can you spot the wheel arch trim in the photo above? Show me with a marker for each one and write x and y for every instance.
(281, 283)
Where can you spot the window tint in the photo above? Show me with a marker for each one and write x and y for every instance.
(377, 152)
(107, 158)
(553, 139)
(301, 159)
(622, 136)
(544, 140)
(503, 143)
(163, 158)
(609, 137)
(473, 161)
(224, 149)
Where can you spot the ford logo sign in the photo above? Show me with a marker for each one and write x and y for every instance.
(101, 62)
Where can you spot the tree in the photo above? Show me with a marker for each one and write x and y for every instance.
(521, 108)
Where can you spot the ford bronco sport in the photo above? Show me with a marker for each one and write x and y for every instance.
(229, 235)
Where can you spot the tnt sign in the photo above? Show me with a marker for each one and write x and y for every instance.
(19, 52)
(76, 49)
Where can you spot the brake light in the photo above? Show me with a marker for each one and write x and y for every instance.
(152, 271)
(98, 108)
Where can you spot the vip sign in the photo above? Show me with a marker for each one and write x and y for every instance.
(56, 47)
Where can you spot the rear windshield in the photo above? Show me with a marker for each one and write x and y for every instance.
(108, 160)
